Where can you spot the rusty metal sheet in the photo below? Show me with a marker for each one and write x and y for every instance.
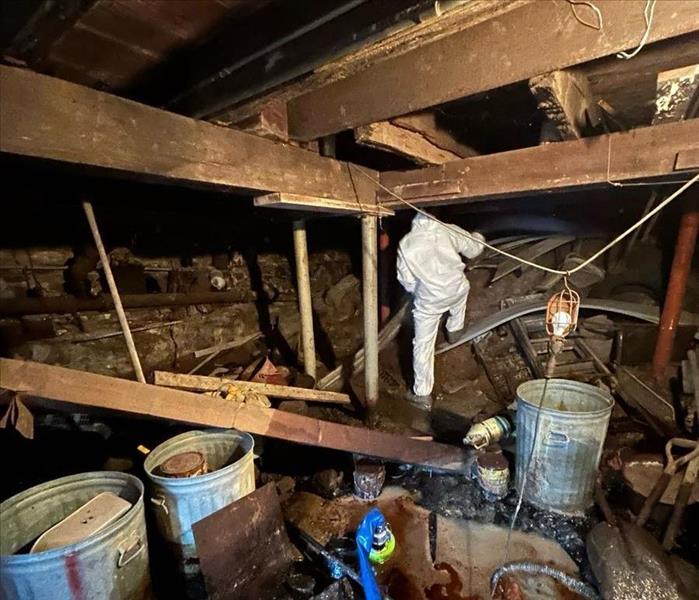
(244, 551)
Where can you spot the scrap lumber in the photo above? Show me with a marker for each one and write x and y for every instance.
(533, 39)
(47, 118)
(404, 142)
(201, 383)
(67, 388)
(643, 153)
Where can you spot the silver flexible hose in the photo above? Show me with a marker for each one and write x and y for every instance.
(533, 568)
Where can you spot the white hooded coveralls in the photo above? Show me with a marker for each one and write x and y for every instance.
(430, 268)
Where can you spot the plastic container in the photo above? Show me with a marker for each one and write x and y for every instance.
(111, 563)
(180, 502)
(566, 453)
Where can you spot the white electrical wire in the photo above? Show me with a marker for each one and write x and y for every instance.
(459, 231)
(648, 16)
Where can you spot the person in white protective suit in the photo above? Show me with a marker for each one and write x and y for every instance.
(430, 268)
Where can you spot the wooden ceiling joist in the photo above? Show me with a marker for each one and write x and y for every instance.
(48, 118)
(646, 153)
(534, 39)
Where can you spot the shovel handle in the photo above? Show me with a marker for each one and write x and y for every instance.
(653, 498)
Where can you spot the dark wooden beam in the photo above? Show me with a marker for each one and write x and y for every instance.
(566, 100)
(646, 153)
(67, 388)
(47, 118)
(531, 40)
(438, 20)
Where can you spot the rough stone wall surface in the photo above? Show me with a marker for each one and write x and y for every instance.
(196, 327)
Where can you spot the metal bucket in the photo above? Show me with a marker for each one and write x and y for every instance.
(571, 432)
(112, 563)
(180, 502)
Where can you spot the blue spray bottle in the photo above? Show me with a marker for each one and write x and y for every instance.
(375, 543)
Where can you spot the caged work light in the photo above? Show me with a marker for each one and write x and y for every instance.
(561, 319)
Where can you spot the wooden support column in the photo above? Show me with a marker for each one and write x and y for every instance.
(303, 283)
(371, 309)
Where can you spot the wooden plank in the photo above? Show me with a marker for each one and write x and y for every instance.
(48, 118)
(413, 145)
(66, 389)
(638, 154)
(534, 39)
(200, 383)
(565, 98)
(325, 205)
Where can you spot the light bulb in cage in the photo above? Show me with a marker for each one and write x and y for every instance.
(562, 313)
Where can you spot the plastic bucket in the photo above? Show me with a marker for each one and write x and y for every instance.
(565, 455)
(178, 503)
(111, 563)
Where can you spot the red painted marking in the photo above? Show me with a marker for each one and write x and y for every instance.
(72, 565)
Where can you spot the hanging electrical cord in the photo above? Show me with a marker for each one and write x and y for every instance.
(459, 231)
(648, 16)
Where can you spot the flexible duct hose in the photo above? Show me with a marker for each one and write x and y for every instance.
(533, 568)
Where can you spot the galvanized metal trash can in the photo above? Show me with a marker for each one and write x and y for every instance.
(571, 433)
(112, 563)
(180, 502)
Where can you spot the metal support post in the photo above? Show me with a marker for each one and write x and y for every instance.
(303, 283)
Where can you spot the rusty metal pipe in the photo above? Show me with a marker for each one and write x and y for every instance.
(674, 298)
(13, 307)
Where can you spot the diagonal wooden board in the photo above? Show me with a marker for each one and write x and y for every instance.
(67, 388)
(202, 383)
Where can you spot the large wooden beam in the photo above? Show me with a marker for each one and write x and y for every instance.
(47, 118)
(645, 153)
(337, 59)
(531, 40)
(66, 389)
